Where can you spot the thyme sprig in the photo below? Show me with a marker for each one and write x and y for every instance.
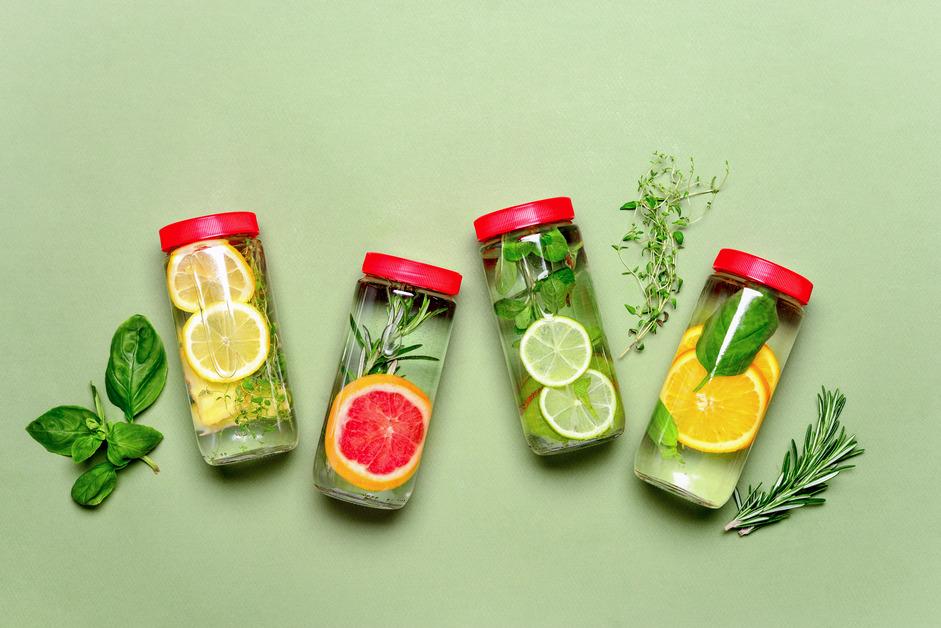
(803, 475)
(666, 207)
(382, 354)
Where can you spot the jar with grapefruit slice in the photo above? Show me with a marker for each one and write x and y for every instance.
(377, 421)
(722, 378)
(558, 359)
(230, 343)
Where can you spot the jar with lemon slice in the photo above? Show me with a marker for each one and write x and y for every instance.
(558, 359)
(377, 421)
(230, 343)
(722, 378)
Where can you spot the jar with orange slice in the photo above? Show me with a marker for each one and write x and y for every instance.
(230, 343)
(722, 378)
(377, 421)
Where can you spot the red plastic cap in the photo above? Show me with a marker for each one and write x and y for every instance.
(207, 227)
(558, 209)
(764, 272)
(413, 273)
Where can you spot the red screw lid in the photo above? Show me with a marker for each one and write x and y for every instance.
(413, 273)
(547, 210)
(764, 272)
(205, 227)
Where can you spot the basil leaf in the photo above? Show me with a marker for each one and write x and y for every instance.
(515, 250)
(553, 247)
(509, 308)
(58, 428)
(92, 487)
(127, 441)
(662, 431)
(555, 288)
(137, 368)
(84, 447)
(736, 331)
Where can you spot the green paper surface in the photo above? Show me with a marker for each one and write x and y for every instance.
(351, 127)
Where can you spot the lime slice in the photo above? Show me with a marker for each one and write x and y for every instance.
(581, 410)
(555, 350)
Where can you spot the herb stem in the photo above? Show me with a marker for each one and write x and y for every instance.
(150, 463)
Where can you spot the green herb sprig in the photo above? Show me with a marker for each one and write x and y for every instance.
(804, 474)
(664, 210)
(135, 377)
(546, 265)
(382, 353)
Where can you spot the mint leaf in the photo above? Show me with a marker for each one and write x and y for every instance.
(509, 308)
(553, 247)
(555, 288)
(515, 250)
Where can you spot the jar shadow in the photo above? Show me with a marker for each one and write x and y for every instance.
(344, 512)
(250, 470)
(673, 505)
(576, 460)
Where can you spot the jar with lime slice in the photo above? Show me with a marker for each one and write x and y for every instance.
(230, 342)
(722, 378)
(558, 359)
(379, 413)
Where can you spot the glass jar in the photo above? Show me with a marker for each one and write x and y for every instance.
(230, 343)
(380, 407)
(558, 359)
(722, 378)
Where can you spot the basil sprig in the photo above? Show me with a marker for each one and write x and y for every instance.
(135, 377)
(736, 331)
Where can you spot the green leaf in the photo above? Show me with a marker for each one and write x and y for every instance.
(553, 247)
(84, 447)
(630, 205)
(61, 426)
(736, 331)
(678, 237)
(506, 275)
(580, 388)
(92, 487)
(522, 320)
(515, 250)
(662, 431)
(137, 368)
(127, 441)
(555, 288)
(509, 308)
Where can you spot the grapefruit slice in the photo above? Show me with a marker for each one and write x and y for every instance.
(376, 431)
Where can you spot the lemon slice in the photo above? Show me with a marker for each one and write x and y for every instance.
(555, 350)
(207, 273)
(226, 342)
(566, 412)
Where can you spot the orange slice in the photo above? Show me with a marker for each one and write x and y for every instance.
(766, 362)
(722, 416)
(376, 431)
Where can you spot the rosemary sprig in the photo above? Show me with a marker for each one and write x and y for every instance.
(665, 208)
(803, 475)
(382, 354)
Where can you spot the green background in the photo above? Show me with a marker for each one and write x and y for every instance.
(351, 127)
